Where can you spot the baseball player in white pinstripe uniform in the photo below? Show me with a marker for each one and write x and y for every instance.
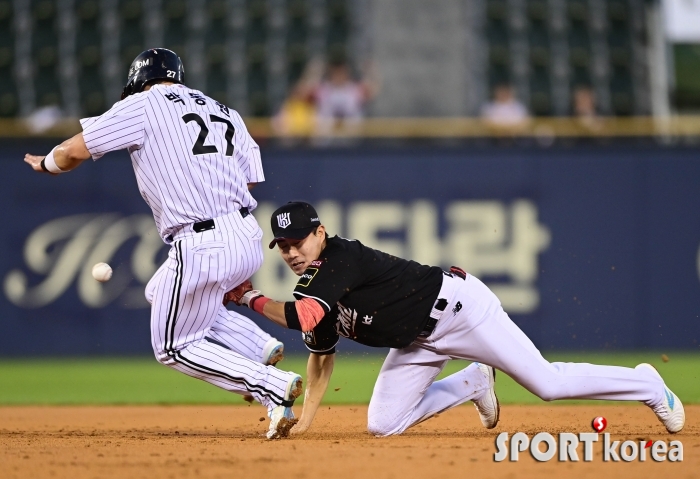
(195, 163)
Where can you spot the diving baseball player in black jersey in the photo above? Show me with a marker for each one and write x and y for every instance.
(427, 316)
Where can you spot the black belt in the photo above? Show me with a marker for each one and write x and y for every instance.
(428, 328)
(207, 225)
(441, 303)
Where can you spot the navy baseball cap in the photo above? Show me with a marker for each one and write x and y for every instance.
(293, 221)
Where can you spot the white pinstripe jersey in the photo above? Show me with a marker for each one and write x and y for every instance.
(193, 157)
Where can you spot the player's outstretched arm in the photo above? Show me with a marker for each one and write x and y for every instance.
(285, 314)
(62, 158)
(318, 374)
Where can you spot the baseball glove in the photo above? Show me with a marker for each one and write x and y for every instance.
(236, 294)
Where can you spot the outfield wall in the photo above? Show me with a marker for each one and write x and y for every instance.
(587, 247)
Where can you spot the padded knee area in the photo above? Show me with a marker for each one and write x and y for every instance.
(150, 291)
(381, 425)
(163, 358)
(379, 428)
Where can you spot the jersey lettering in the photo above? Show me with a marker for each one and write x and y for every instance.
(163, 139)
(229, 132)
(175, 98)
(347, 317)
(199, 147)
(306, 278)
(198, 99)
(223, 108)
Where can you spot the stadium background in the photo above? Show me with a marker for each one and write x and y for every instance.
(586, 227)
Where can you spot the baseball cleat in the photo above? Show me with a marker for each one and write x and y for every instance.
(487, 405)
(282, 417)
(281, 421)
(273, 352)
(670, 411)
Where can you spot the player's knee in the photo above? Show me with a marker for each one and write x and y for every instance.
(377, 429)
(162, 357)
(150, 291)
(548, 392)
(382, 426)
(546, 395)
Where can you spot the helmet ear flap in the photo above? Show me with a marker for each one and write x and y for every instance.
(128, 89)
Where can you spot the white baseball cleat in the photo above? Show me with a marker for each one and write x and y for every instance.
(273, 352)
(282, 417)
(670, 411)
(487, 405)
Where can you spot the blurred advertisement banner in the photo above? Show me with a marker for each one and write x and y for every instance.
(587, 248)
(63, 251)
(494, 239)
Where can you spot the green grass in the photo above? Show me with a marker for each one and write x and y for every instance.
(144, 381)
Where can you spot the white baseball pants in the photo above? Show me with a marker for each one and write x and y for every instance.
(475, 327)
(191, 331)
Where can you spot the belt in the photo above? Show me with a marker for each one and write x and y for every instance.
(207, 225)
(432, 320)
(443, 299)
(428, 328)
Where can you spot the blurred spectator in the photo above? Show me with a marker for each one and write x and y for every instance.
(585, 109)
(326, 105)
(296, 119)
(340, 99)
(43, 119)
(505, 111)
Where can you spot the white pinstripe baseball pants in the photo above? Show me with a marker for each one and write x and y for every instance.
(191, 331)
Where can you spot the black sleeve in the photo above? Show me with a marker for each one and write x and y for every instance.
(324, 337)
(329, 279)
(291, 315)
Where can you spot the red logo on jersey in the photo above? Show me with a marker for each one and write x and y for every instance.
(317, 262)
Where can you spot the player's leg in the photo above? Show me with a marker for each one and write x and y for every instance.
(234, 331)
(482, 331)
(406, 392)
(187, 294)
(240, 334)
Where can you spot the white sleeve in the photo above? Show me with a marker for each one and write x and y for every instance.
(248, 155)
(122, 126)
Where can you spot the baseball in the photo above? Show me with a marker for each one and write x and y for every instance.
(102, 272)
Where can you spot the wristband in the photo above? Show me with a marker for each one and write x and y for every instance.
(49, 164)
(258, 303)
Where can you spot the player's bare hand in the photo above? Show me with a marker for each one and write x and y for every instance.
(35, 162)
(236, 294)
(299, 428)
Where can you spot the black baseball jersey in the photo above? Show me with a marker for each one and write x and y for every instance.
(369, 296)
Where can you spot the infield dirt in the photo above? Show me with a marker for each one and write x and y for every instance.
(227, 441)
